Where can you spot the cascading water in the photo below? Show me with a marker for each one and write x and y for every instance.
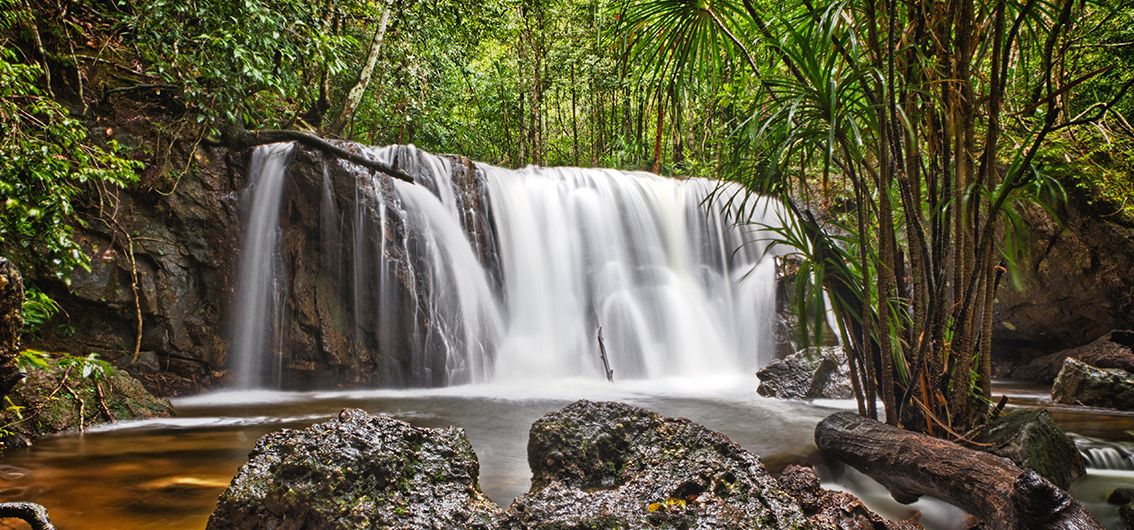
(256, 306)
(1106, 455)
(491, 274)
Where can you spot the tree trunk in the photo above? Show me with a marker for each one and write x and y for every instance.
(354, 97)
(11, 301)
(911, 464)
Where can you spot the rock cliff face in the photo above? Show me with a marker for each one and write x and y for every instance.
(184, 245)
(180, 249)
(355, 308)
(186, 248)
(1076, 282)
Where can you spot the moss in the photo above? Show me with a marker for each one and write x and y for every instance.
(54, 399)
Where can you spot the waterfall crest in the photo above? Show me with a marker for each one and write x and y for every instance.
(477, 273)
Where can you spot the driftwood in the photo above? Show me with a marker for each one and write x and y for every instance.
(245, 138)
(29, 512)
(605, 361)
(911, 464)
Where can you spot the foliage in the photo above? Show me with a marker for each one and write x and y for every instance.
(242, 62)
(38, 309)
(929, 125)
(89, 366)
(46, 158)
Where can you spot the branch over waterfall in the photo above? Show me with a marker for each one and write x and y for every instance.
(244, 138)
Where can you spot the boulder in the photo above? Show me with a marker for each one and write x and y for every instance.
(611, 465)
(1113, 350)
(1079, 383)
(831, 379)
(58, 398)
(1073, 283)
(1126, 513)
(816, 372)
(357, 471)
(837, 509)
(1030, 439)
(1121, 496)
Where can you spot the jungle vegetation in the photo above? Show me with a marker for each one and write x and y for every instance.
(910, 132)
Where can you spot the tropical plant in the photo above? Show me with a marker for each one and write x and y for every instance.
(925, 120)
(46, 160)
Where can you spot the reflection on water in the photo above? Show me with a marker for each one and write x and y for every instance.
(168, 473)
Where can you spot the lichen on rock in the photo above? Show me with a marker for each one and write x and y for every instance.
(357, 471)
(611, 465)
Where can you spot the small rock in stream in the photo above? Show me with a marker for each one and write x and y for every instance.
(1079, 383)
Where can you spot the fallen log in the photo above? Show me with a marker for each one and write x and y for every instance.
(911, 464)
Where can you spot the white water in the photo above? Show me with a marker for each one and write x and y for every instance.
(256, 306)
(679, 288)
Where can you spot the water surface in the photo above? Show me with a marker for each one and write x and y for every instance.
(168, 473)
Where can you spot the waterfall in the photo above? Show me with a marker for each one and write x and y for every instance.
(256, 306)
(476, 273)
(1101, 454)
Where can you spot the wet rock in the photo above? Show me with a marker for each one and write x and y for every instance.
(333, 220)
(357, 471)
(11, 300)
(1126, 513)
(56, 398)
(837, 509)
(184, 235)
(1074, 283)
(1030, 439)
(611, 465)
(1083, 384)
(1113, 350)
(810, 373)
(1121, 496)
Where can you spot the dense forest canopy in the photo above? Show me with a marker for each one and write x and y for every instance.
(913, 127)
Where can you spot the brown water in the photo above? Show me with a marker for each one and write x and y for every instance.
(168, 473)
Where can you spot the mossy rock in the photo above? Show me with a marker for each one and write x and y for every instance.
(611, 465)
(357, 471)
(55, 399)
(1030, 438)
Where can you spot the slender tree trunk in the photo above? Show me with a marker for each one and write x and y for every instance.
(354, 97)
(574, 118)
(658, 133)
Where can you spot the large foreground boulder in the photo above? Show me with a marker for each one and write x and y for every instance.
(357, 471)
(611, 465)
(1113, 350)
(1081, 384)
(1030, 439)
(810, 373)
(837, 509)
